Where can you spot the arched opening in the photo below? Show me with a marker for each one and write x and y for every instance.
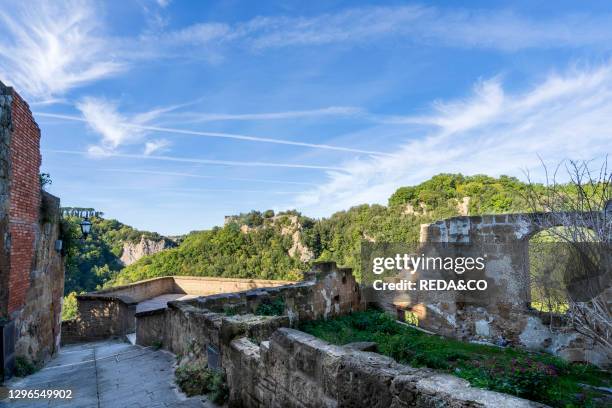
(560, 259)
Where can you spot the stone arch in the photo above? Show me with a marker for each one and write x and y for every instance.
(505, 228)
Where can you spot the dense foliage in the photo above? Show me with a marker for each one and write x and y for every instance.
(223, 251)
(339, 237)
(93, 261)
(441, 193)
(262, 250)
(535, 376)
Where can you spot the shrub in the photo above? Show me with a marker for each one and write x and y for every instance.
(70, 306)
(275, 307)
(24, 367)
(197, 379)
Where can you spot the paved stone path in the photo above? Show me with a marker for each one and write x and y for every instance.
(109, 374)
(161, 302)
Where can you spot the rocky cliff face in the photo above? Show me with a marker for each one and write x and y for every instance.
(298, 249)
(289, 226)
(134, 251)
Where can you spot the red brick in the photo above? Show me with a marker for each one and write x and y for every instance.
(25, 199)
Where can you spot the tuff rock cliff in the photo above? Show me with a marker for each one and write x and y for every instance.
(133, 251)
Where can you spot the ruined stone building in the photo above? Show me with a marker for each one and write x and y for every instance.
(31, 266)
(505, 316)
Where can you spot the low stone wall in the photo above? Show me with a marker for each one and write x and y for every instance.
(99, 318)
(204, 286)
(111, 312)
(70, 331)
(295, 369)
(136, 292)
(195, 324)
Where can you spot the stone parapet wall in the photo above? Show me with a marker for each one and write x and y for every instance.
(327, 291)
(215, 320)
(135, 292)
(111, 312)
(295, 369)
(99, 318)
(204, 285)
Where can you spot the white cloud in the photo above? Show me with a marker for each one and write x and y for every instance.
(493, 131)
(116, 129)
(155, 145)
(48, 48)
(415, 24)
(103, 118)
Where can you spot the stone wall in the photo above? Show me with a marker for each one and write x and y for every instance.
(268, 364)
(31, 270)
(204, 285)
(194, 324)
(5, 168)
(111, 312)
(99, 318)
(295, 369)
(506, 318)
(39, 323)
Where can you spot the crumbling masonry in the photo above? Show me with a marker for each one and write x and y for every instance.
(506, 316)
(269, 364)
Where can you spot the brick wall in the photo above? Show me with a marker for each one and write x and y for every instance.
(24, 199)
(31, 270)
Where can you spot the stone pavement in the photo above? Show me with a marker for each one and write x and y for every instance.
(108, 374)
(161, 302)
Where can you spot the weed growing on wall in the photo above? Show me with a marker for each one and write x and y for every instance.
(275, 307)
(197, 379)
(24, 367)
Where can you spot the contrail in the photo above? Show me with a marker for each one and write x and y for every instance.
(169, 173)
(201, 161)
(223, 135)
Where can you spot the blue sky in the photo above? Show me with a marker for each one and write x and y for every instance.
(168, 115)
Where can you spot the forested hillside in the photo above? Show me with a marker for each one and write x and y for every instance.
(248, 246)
(254, 245)
(93, 261)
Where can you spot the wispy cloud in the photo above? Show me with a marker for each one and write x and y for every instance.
(415, 24)
(116, 129)
(493, 131)
(48, 48)
(155, 145)
(201, 161)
